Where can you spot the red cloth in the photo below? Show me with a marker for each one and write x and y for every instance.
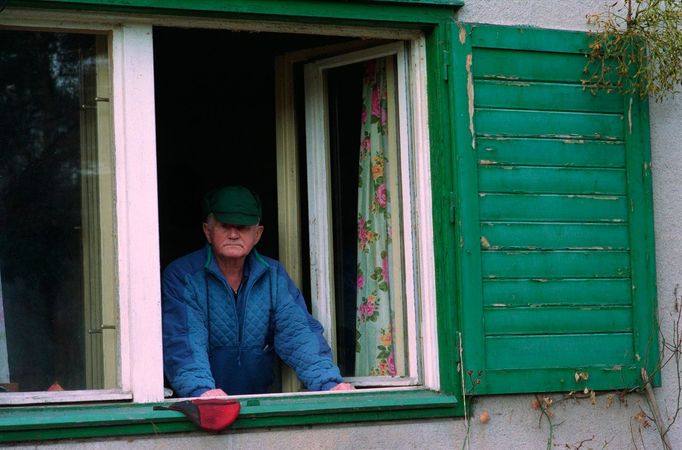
(209, 414)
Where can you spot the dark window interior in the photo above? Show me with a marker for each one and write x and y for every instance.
(41, 261)
(215, 125)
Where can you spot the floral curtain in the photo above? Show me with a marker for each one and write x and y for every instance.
(374, 330)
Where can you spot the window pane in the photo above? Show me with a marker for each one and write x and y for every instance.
(368, 258)
(56, 213)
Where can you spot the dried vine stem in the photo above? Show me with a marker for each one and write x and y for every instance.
(674, 347)
(671, 352)
(544, 405)
(653, 404)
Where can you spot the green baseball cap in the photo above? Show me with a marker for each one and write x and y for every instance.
(235, 205)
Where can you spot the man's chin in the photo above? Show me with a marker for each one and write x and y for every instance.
(232, 253)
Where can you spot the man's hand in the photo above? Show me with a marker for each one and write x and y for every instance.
(214, 393)
(343, 387)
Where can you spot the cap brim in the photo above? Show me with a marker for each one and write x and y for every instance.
(237, 218)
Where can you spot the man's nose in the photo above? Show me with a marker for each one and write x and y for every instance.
(232, 232)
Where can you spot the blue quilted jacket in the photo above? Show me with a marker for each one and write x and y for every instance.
(213, 340)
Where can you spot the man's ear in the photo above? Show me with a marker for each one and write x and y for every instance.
(206, 232)
(259, 233)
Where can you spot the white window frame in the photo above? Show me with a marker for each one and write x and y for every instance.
(140, 367)
(140, 357)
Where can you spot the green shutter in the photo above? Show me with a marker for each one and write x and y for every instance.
(554, 217)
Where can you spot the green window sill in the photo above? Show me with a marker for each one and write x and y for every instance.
(38, 423)
(423, 2)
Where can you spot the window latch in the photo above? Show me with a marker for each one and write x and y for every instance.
(96, 100)
(101, 328)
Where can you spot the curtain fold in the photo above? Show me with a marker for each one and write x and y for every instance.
(374, 317)
(4, 362)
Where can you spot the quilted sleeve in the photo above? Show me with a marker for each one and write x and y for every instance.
(185, 357)
(299, 340)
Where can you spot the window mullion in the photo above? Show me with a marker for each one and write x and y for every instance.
(136, 199)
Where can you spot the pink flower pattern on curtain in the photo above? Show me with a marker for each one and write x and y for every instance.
(374, 318)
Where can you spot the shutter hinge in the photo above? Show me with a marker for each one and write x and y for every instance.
(453, 207)
(446, 64)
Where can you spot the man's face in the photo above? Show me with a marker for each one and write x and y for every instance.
(231, 242)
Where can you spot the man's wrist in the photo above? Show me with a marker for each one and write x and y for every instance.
(328, 385)
(199, 391)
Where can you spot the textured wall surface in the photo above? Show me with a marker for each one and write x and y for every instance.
(609, 423)
(561, 14)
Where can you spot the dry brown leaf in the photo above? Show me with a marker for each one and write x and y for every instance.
(581, 376)
(642, 419)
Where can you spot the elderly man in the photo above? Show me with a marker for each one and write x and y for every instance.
(226, 308)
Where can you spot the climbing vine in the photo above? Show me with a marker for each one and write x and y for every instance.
(636, 48)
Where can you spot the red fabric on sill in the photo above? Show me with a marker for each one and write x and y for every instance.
(209, 414)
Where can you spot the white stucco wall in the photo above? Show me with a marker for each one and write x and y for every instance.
(513, 423)
(560, 14)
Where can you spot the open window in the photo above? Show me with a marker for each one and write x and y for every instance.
(288, 123)
(209, 122)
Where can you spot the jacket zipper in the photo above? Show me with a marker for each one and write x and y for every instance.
(240, 317)
(235, 300)
(243, 309)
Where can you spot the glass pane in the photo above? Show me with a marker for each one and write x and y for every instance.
(56, 213)
(368, 257)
